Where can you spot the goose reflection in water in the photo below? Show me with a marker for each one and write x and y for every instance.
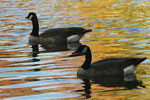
(60, 46)
(54, 47)
(51, 48)
(128, 82)
(34, 53)
(35, 50)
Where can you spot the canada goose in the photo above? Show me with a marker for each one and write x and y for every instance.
(56, 35)
(105, 67)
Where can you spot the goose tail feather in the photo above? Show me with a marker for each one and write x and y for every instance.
(139, 60)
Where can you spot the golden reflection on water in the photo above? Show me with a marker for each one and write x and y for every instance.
(120, 29)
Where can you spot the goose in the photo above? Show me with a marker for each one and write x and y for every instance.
(105, 67)
(56, 35)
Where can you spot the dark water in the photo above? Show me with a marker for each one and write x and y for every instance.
(120, 29)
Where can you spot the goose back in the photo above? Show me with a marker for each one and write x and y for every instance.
(70, 34)
(64, 32)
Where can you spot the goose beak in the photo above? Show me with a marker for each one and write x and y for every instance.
(74, 54)
(27, 17)
(88, 30)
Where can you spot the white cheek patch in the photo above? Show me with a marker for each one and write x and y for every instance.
(31, 16)
(84, 50)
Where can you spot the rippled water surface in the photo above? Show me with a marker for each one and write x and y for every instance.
(120, 29)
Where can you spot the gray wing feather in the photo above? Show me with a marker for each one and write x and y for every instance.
(113, 65)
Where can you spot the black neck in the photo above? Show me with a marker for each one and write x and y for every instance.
(88, 58)
(35, 30)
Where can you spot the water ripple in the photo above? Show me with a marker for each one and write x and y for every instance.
(52, 95)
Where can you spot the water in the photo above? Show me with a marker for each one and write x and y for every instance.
(120, 29)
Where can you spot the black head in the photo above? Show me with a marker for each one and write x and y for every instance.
(31, 15)
(82, 50)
